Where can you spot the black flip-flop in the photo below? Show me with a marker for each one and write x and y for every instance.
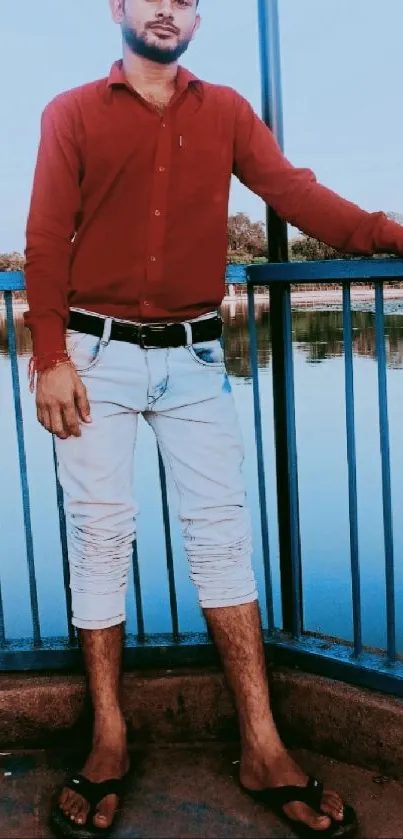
(277, 798)
(93, 793)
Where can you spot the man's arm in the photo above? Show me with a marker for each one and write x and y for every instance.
(52, 222)
(61, 398)
(298, 198)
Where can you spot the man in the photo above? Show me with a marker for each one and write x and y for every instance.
(128, 227)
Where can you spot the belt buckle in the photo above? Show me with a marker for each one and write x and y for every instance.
(144, 332)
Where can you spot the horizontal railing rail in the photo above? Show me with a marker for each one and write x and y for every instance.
(289, 643)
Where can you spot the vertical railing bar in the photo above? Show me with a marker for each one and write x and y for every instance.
(65, 558)
(270, 62)
(272, 110)
(386, 481)
(137, 593)
(260, 458)
(3, 639)
(282, 360)
(12, 346)
(352, 469)
(291, 433)
(169, 552)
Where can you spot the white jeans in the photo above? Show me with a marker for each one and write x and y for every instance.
(185, 396)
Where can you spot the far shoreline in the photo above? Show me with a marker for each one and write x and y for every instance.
(305, 296)
(320, 295)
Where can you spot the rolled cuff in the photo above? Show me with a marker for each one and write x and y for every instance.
(98, 611)
(390, 237)
(48, 335)
(226, 601)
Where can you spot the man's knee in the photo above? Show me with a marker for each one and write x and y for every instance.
(221, 564)
(99, 570)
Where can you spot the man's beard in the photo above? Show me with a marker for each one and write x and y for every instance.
(161, 55)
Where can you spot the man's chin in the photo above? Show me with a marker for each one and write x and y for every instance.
(153, 51)
(161, 55)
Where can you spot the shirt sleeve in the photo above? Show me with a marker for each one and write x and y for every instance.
(298, 198)
(52, 223)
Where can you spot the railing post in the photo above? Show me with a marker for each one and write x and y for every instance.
(281, 334)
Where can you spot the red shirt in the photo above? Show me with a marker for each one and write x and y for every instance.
(129, 209)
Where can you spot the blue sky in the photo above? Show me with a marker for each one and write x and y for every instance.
(342, 66)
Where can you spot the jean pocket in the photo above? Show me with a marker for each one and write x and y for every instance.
(84, 350)
(208, 354)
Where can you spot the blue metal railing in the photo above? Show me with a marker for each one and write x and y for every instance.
(289, 643)
(384, 671)
(23, 472)
(352, 469)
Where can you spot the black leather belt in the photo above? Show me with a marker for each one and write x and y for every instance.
(149, 335)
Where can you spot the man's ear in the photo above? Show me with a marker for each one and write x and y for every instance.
(117, 9)
(196, 26)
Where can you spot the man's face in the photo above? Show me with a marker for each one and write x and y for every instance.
(159, 30)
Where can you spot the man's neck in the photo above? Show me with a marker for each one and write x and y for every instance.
(148, 75)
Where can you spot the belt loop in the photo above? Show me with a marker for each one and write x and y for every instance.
(106, 335)
(189, 333)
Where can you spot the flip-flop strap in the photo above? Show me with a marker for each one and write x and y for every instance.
(93, 792)
(311, 795)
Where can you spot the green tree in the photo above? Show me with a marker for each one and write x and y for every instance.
(306, 248)
(246, 238)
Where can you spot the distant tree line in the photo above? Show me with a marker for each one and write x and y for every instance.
(11, 261)
(247, 242)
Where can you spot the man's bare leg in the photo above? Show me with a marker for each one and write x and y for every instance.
(102, 649)
(264, 759)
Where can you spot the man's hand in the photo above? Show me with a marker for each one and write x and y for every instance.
(61, 401)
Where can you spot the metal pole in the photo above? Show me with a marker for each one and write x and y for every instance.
(272, 110)
(281, 334)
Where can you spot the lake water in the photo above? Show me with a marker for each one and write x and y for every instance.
(322, 462)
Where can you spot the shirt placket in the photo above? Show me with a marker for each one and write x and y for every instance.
(158, 213)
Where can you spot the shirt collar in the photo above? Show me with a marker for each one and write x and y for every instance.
(185, 79)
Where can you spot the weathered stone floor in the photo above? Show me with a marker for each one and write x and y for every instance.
(187, 792)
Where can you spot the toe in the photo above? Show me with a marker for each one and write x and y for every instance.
(101, 821)
(74, 810)
(78, 809)
(302, 813)
(105, 812)
(65, 802)
(333, 806)
(80, 813)
(64, 797)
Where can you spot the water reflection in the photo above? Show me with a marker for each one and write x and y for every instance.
(318, 334)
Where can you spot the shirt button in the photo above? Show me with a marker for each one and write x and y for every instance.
(157, 213)
(153, 258)
(164, 125)
(161, 169)
(146, 303)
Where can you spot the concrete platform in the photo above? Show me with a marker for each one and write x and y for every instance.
(187, 792)
(350, 724)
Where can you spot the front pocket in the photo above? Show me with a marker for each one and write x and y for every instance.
(208, 354)
(84, 350)
(201, 166)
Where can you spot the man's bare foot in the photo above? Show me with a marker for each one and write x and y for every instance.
(108, 759)
(283, 771)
